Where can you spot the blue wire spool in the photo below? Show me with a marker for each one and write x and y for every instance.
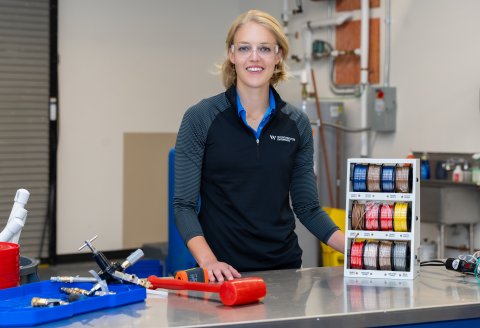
(360, 177)
(388, 178)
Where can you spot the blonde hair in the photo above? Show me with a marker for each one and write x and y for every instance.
(270, 23)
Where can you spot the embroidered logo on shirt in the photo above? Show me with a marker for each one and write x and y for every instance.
(282, 138)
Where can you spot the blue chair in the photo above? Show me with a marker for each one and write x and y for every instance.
(179, 257)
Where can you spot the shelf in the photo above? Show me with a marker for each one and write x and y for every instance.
(380, 196)
(448, 183)
(380, 274)
(384, 235)
(411, 237)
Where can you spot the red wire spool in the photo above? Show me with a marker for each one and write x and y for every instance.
(386, 217)
(356, 255)
(9, 265)
(371, 216)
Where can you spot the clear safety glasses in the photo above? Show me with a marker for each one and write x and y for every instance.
(264, 50)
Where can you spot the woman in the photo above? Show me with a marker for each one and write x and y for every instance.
(247, 154)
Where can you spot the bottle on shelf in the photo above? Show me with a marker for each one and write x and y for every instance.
(457, 174)
(467, 173)
(476, 169)
(425, 167)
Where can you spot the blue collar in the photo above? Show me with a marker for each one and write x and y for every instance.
(268, 113)
(271, 106)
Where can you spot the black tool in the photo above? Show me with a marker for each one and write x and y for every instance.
(113, 271)
(460, 266)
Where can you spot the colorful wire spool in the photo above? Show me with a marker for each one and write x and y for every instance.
(386, 217)
(370, 255)
(372, 221)
(401, 256)
(373, 178)
(358, 216)
(385, 255)
(388, 178)
(356, 255)
(380, 255)
(403, 179)
(401, 217)
(360, 172)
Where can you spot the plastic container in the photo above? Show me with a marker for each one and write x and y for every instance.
(28, 270)
(467, 173)
(476, 169)
(145, 268)
(15, 309)
(425, 167)
(457, 174)
(9, 265)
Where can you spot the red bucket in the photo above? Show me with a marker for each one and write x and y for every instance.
(9, 265)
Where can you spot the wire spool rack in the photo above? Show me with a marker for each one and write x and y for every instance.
(382, 236)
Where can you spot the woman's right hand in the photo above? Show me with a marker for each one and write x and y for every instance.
(217, 271)
(220, 271)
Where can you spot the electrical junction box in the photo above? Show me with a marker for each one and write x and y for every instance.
(382, 108)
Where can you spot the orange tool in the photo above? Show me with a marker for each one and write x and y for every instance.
(195, 275)
(231, 292)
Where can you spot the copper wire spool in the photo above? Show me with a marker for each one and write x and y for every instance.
(386, 217)
(358, 216)
(374, 177)
(385, 255)
(356, 255)
(372, 216)
(370, 255)
(403, 179)
(401, 217)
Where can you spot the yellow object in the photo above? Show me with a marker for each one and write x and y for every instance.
(330, 256)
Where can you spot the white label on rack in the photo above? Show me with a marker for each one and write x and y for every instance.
(405, 235)
(390, 235)
(407, 196)
(368, 234)
(392, 196)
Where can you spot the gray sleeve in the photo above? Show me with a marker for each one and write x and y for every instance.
(189, 150)
(303, 189)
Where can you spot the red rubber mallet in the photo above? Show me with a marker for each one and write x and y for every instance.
(231, 292)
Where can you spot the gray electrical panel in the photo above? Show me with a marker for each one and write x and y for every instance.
(382, 108)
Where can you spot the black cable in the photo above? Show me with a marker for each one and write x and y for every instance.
(432, 263)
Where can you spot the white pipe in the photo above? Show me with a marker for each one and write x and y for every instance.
(307, 56)
(300, 74)
(17, 217)
(364, 151)
(14, 227)
(330, 21)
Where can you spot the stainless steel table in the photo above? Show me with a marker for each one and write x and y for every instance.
(311, 297)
